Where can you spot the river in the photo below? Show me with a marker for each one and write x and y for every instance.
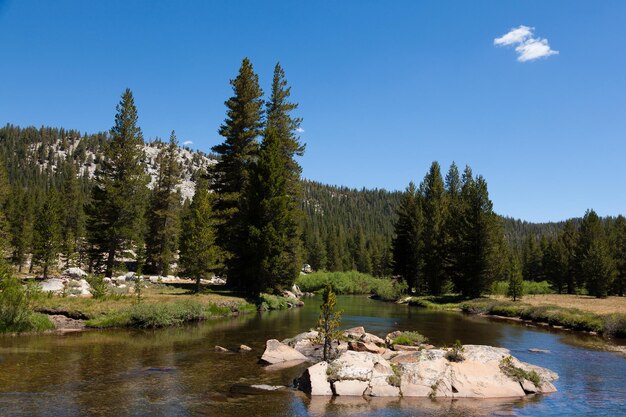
(175, 372)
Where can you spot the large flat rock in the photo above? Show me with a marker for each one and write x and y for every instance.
(277, 352)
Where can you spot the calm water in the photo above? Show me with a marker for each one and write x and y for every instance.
(174, 372)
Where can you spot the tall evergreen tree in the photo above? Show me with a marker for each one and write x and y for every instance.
(453, 224)
(516, 281)
(595, 267)
(164, 210)
(273, 253)
(199, 253)
(73, 216)
(619, 285)
(407, 243)
(532, 260)
(481, 232)
(5, 190)
(47, 233)
(231, 174)
(435, 213)
(556, 264)
(116, 213)
(20, 216)
(569, 237)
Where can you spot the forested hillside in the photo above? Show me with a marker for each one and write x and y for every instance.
(50, 175)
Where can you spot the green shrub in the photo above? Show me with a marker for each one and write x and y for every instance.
(274, 302)
(528, 288)
(615, 325)
(518, 374)
(352, 282)
(99, 288)
(395, 379)
(16, 305)
(410, 339)
(455, 353)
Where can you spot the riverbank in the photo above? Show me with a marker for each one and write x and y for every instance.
(158, 306)
(583, 313)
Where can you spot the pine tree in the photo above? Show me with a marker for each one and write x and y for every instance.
(272, 254)
(556, 264)
(595, 266)
(20, 217)
(515, 279)
(407, 243)
(434, 208)
(199, 254)
(116, 213)
(47, 233)
(72, 216)
(329, 321)
(5, 190)
(452, 226)
(164, 210)
(361, 255)
(619, 285)
(533, 255)
(231, 174)
(569, 237)
(481, 234)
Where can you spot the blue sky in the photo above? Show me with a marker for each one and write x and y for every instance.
(384, 87)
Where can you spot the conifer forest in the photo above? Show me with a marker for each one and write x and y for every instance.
(243, 212)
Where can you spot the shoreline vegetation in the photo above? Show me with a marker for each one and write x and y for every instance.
(159, 306)
(606, 317)
(165, 306)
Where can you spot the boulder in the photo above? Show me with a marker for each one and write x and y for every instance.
(425, 373)
(365, 347)
(547, 387)
(350, 387)
(405, 348)
(296, 290)
(314, 380)
(84, 287)
(372, 338)
(244, 348)
(391, 336)
(276, 352)
(221, 349)
(75, 272)
(354, 333)
(52, 285)
(289, 294)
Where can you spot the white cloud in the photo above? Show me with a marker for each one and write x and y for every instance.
(528, 47)
(300, 130)
(534, 49)
(187, 142)
(517, 35)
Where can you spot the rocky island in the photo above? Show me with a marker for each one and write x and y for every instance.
(367, 365)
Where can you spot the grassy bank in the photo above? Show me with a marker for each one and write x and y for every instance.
(159, 306)
(352, 282)
(442, 302)
(613, 324)
(16, 306)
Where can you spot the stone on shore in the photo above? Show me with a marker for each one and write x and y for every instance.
(276, 352)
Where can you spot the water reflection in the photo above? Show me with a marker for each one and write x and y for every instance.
(175, 372)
